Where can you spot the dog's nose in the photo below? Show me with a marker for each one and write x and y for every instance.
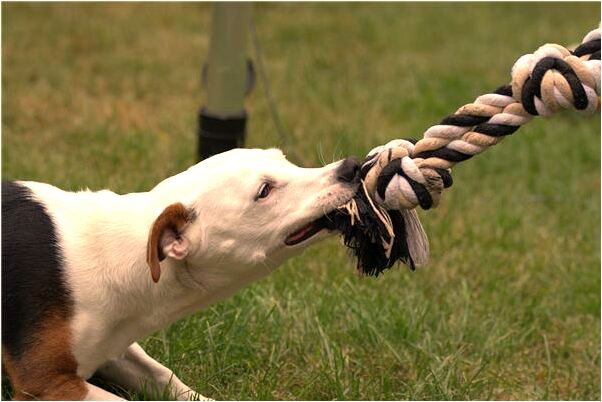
(348, 170)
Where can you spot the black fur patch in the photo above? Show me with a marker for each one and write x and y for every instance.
(32, 278)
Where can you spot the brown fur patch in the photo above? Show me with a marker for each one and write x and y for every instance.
(174, 217)
(47, 369)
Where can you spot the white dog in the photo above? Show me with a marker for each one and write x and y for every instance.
(86, 274)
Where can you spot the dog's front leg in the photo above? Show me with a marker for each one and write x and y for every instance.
(98, 394)
(137, 371)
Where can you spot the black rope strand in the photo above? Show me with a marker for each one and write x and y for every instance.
(534, 88)
(365, 237)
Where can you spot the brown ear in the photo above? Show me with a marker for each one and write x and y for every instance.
(165, 240)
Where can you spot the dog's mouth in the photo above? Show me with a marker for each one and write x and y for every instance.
(329, 221)
(308, 231)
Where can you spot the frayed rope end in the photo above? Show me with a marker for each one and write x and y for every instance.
(380, 238)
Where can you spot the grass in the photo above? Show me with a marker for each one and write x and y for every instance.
(106, 96)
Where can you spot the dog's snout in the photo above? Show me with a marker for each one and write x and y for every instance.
(348, 170)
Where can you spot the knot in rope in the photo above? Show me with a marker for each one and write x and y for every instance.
(380, 223)
(404, 174)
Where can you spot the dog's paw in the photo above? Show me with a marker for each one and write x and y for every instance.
(191, 395)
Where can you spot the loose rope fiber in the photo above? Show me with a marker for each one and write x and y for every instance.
(404, 174)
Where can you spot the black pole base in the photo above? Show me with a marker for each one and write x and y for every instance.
(219, 134)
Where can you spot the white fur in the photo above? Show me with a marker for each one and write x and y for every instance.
(137, 371)
(233, 240)
(98, 394)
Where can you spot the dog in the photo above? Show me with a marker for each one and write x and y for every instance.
(87, 274)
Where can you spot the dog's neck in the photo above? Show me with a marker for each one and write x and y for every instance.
(181, 289)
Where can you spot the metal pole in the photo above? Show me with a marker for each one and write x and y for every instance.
(222, 122)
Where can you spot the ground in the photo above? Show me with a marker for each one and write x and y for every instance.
(106, 96)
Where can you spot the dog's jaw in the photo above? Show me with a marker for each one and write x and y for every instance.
(318, 227)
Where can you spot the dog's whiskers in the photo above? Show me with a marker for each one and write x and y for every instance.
(321, 154)
(336, 151)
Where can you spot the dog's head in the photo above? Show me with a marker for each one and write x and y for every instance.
(245, 211)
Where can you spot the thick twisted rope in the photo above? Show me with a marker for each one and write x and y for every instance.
(380, 224)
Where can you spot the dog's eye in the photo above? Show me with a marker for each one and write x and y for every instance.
(264, 191)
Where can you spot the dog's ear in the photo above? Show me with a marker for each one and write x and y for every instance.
(165, 239)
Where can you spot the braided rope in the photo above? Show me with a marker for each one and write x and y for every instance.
(404, 173)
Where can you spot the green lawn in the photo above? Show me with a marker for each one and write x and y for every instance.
(106, 96)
